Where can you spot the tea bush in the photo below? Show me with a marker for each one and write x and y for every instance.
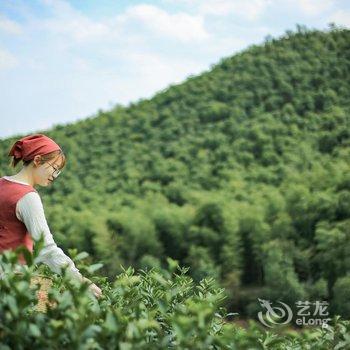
(147, 309)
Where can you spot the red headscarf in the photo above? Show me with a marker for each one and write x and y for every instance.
(30, 146)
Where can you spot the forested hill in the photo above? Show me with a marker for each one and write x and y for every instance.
(241, 173)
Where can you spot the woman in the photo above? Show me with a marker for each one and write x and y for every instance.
(22, 217)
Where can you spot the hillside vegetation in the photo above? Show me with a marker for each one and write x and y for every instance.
(240, 173)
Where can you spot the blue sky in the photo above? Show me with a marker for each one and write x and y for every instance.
(61, 61)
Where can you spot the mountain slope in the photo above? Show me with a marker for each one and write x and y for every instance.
(242, 173)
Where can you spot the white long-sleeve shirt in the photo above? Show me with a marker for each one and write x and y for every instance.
(30, 211)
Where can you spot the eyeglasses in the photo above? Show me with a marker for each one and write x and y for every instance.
(56, 172)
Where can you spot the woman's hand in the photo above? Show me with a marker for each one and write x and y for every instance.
(96, 290)
(93, 288)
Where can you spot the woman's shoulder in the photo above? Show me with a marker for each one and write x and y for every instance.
(21, 185)
(31, 197)
(12, 191)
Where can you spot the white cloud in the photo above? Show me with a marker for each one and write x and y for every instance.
(249, 10)
(157, 22)
(341, 18)
(315, 7)
(78, 28)
(7, 60)
(9, 26)
(180, 26)
(159, 71)
(67, 21)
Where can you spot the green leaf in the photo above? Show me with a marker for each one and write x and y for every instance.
(111, 323)
(34, 330)
(12, 304)
(94, 267)
(81, 256)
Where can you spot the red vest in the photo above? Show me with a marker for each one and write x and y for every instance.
(13, 232)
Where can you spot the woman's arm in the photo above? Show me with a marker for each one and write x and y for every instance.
(30, 211)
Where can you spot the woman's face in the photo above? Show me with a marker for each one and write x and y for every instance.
(44, 174)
